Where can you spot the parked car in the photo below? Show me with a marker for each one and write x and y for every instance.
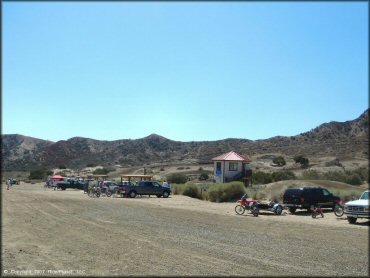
(305, 197)
(358, 208)
(145, 188)
(70, 183)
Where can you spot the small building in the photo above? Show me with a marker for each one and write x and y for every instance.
(232, 166)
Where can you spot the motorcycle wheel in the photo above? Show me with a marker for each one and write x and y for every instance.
(255, 211)
(338, 210)
(109, 193)
(239, 209)
(278, 210)
(313, 215)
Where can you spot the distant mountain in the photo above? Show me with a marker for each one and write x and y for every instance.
(344, 140)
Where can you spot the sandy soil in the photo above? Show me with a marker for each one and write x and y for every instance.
(67, 233)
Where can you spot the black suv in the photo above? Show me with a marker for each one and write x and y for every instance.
(305, 197)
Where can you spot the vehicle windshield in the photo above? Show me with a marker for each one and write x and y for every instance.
(365, 196)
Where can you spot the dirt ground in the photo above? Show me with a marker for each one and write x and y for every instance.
(67, 233)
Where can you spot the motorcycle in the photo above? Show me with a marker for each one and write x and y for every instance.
(315, 211)
(244, 204)
(273, 206)
(339, 208)
(94, 191)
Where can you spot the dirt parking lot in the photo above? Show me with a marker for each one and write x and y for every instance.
(67, 233)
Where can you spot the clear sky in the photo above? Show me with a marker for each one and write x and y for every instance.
(186, 71)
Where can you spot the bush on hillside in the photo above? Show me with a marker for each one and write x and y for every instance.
(354, 179)
(283, 175)
(39, 173)
(192, 190)
(225, 192)
(101, 171)
(279, 160)
(302, 160)
(203, 176)
(310, 175)
(260, 177)
(177, 178)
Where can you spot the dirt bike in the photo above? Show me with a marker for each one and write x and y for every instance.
(339, 208)
(94, 192)
(106, 191)
(244, 204)
(315, 211)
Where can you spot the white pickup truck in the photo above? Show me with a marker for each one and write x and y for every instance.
(358, 208)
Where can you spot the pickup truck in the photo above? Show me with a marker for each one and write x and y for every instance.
(69, 183)
(358, 208)
(145, 188)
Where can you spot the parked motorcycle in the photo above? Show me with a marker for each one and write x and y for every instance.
(244, 204)
(339, 208)
(94, 191)
(273, 206)
(315, 211)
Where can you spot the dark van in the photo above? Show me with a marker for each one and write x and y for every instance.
(303, 198)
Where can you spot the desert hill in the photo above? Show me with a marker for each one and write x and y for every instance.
(343, 140)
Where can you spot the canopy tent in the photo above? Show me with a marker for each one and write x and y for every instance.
(57, 177)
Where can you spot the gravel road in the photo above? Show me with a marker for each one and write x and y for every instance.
(67, 233)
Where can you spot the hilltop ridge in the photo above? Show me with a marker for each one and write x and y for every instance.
(344, 140)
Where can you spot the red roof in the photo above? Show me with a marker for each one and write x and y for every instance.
(233, 156)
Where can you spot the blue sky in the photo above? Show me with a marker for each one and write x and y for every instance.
(186, 71)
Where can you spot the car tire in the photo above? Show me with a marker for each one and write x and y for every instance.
(165, 194)
(64, 188)
(109, 193)
(159, 196)
(351, 220)
(132, 194)
(292, 210)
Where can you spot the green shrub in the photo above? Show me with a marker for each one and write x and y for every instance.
(177, 189)
(204, 176)
(101, 171)
(260, 177)
(177, 178)
(283, 175)
(310, 175)
(38, 173)
(225, 192)
(279, 160)
(302, 160)
(192, 190)
(354, 179)
(334, 162)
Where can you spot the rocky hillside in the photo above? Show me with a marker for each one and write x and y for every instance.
(344, 140)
